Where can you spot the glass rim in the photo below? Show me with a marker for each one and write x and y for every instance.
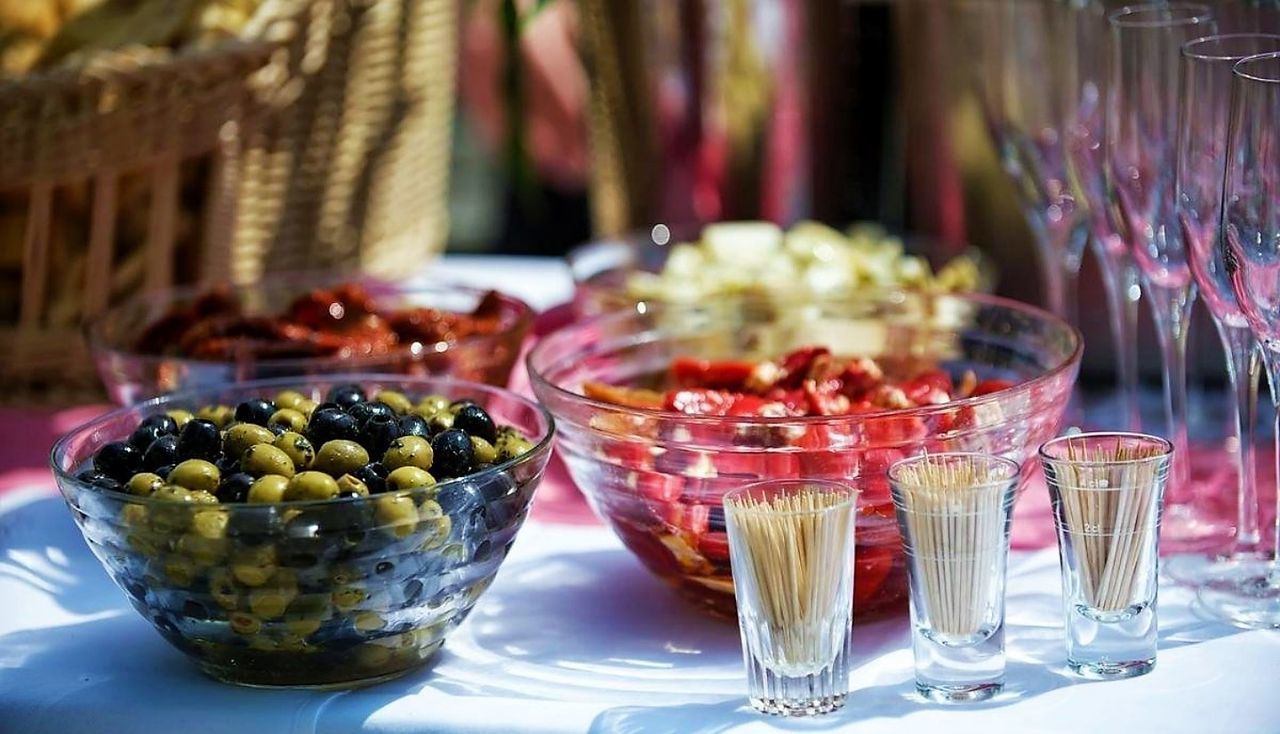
(1238, 68)
(1165, 445)
(1127, 17)
(852, 493)
(1015, 467)
(1189, 52)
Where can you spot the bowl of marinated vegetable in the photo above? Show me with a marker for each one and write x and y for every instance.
(759, 259)
(320, 532)
(305, 324)
(662, 410)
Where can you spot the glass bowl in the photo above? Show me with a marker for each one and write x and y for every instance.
(131, 375)
(308, 594)
(658, 477)
(601, 268)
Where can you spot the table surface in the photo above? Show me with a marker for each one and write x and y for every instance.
(573, 636)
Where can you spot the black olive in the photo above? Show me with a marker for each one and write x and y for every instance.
(414, 425)
(327, 406)
(331, 425)
(306, 542)
(472, 419)
(163, 471)
(278, 429)
(496, 486)
(482, 551)
(458, 404)
(143, 436)
(118, 460)
(234, 487)
(346, 395)
(99, 480)
(452, 454)
(162, 452)
(256, 411)
(378, 433)
(254, 524)
(374, 476)
(199, 439)
(460, 499)
(362, 412)
(383, 567)
(164, 424)
(412, 592)
(227, 465)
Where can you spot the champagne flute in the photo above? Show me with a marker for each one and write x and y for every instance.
(1021, 78)
(1249, 595)
(1202, 140)
(1141, 158)
(1083, 131)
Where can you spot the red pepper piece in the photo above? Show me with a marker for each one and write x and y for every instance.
(690, 518)
(825, 399)
(631, 397)
(795, 366)
(721, 375)
(656, 486)
(714, 547)
(871, 566)
(931, 388)
(986, 387)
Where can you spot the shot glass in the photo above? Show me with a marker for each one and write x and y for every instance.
(791, 548)
(953, 511)
(1107, 490)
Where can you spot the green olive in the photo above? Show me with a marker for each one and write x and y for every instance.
(211, 524)
(219, 415)
(203, 551)
(179, 416)
(201, 497)
(144, 484)
(254, 566)
(394, 400)
(346, 598)
(409, 477)
(244, 623)
(173, 493)
(263, 459)
(368, 622)
(306, 407)
(222, 587)
(241, 436)
(196, 475)
(180, 570)
(271, 599)
(511, 446)
(289, 399)
(348, 485)
(408, 451)
(339, 457)
(311, 485)
(302, 626)
(484, 451)
(267, 489)
(435, 525)
(396, 514)
(289, 419)
(372, 657)
(298, 447)
(263, 643)
(432, 404)
(291, 642)
(134, 516)
(439, 422)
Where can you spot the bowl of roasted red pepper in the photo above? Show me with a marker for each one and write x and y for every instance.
(663, 409)
(305, 324)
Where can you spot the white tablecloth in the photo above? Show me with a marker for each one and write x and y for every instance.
(576, 636)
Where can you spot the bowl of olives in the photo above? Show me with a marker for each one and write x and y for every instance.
(320, 532)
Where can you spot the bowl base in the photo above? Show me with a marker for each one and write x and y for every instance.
(239, 676)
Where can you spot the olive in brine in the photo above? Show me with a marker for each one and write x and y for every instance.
(235, 487)
(378, 432)
(289, 420)
(454, 455)
(199, 439)
(408, 451)
(331, 425)
(144, 484)
(374, 476)
(241, 436)
(256, 411)
(297, 447)
(362, 412)
(340, 457)
(475, 421)
(196, 475)
(409, 477)
(163, 451)
(311, 485)
(263, 459)
(117, 460)
(289, 399)
(414, 425)
(346, 395)
(395, 400)
(270, 488)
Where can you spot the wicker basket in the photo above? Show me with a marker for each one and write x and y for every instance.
(320, 138)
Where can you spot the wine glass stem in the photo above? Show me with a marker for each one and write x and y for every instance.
(1272, 361)
(1171, 308)
(1120, 282)
(1242, 369)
